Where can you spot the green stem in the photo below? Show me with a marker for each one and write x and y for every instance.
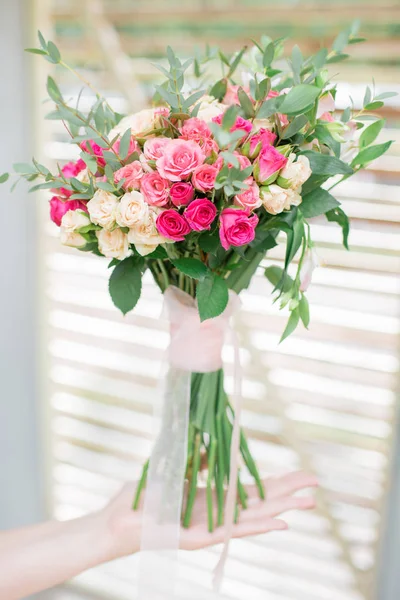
(193, 482)
(141, 484)
(251, 465)
(211, 468)
(242, 493)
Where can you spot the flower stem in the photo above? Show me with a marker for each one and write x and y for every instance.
(193, 482)
(141, 484)
(211, 468)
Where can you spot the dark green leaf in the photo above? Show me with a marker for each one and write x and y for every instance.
(279, 278)
(209, 242)
(212, 296)
(304, 311)
(219, 88)
(125, 284)
(291, 324)
(294, 239)
(337, 215)
(191, 267)
(159, 252)
(4, 177)
(317, 202)
(298, 123)
(371, 153)
(370, 134)
(313, 182)
(246, 104)
(299, 98)
(323, 164)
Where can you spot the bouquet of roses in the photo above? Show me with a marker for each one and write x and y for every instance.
(196, 190)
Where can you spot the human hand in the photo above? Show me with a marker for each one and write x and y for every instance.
(124, 525)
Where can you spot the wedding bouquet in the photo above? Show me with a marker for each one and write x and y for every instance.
(197, 189)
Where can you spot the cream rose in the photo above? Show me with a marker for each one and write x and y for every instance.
(132, 210)
(138, 123)
(83, 176)
(113, 244)
(295, 173)
(262, 124)
(210, 108)
(102, 209)
(71, 238)
(74, 220)
(144, 235)
(275, 199)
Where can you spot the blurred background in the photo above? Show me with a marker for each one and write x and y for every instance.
(78, 381)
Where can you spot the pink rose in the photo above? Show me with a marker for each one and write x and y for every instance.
(240, 123)
(133, 146)
(237, 228)
(268, 164)
(203, 177)
(172, 225)
(195, 129)
(209, 146)
(179, 160)
(249, 199)
(58, 208)
(95, 150)
(153, 147)
(264, 137)
(181, 193)
(155, 189)
(200, 214)
(70, 169)
(132, 174)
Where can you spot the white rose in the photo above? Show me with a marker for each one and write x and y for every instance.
(138, 123)
(296, 172)
(113, 244)
(71, 238)
(102, 209)
(83, 176)
(145, 249)
(132, 209)
(210, 108)
(74, 219)
(145, 233)
(262, 124)
(276, 199)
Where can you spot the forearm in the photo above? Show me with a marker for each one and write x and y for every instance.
(46, 555)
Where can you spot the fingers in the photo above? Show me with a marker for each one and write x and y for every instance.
(271, 508)
(242, 529)
(285, 485)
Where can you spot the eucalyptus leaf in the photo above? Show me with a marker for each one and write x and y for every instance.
(299, 98)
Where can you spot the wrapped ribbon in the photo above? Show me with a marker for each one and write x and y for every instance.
(194, 347)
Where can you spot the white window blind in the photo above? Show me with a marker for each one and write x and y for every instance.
(323, 400)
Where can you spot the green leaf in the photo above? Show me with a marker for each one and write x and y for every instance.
(124, 143)
(104, 185)
(291, 324)
(313, 182)
(337, 215)
(371, 153)
(279, 278)
(367, 96)
(341, 41)
(24, 168)
(191, 267)
(297, 63)
(219, 88)
(159, 252)
(323, 164)
(294, 239)
(212, 296)
(304, 311)
(246, 104)
(299, 98)
(209, 242)
(54, 52)
(337, 58)
(298, 123)
(370, 134)
(35, 51)
(317, 202)
(386, 95)
(4, 177)
(42, 41)
(229, 117)
(53, 90)
(268, 55)
(270, 107)
(374, 105)
(125, 284)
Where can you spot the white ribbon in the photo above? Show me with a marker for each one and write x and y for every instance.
(194, 347)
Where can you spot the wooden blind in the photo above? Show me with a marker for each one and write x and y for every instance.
(323, 400)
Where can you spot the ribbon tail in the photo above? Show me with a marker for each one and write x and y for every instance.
(231, 496)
